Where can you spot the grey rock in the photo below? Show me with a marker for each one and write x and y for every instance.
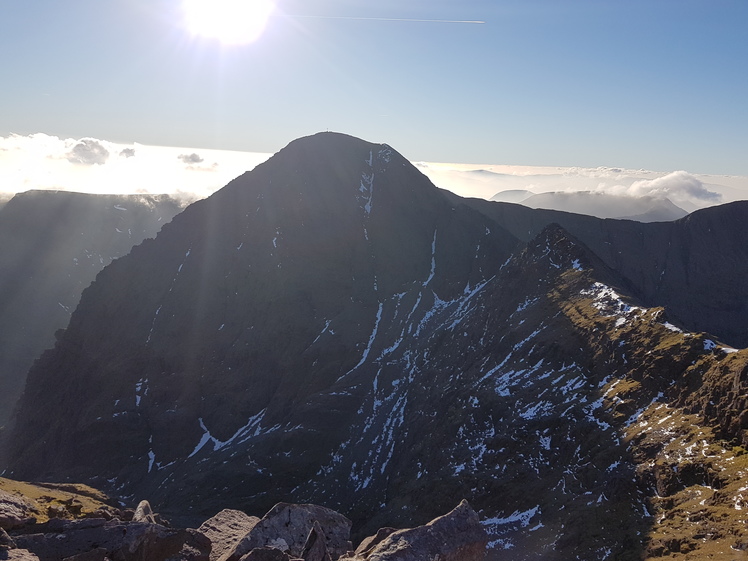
(150, 542)
(15, 511)
(144, 513)
(287, 526)
(456, 536)
(18, 555)
(369, 543)
(315, 548)
(226, 529)
(122, 542)
(197, 547)
(6, 542)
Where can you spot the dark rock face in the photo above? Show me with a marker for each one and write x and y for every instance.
(695, 267)
(332, 329)
(52, 245)
(456, 536)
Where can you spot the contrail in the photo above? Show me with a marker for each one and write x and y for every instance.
(393, 19)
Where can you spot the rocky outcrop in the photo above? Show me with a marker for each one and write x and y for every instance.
(15, 511)
(288, 532)
(456, 536)
(293, 528)
(133, 541)
(24, 503)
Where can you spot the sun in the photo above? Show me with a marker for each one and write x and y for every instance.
(232, 22)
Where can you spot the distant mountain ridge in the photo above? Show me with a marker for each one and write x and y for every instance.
(332, 328)
(601, 205)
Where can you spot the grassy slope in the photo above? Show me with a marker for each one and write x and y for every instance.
(51, 500)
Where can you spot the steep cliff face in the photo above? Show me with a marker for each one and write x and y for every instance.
(52, 244)
(331, 328)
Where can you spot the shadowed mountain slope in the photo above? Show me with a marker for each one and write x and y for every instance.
(52, 244)
(694, 266)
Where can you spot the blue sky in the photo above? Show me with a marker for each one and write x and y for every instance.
(656, 84)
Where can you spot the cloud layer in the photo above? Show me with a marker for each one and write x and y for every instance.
(90, 165)
(675, 185)
(688, 191)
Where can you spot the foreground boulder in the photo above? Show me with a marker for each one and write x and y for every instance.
(225, 530)
(456, 536)
(287, 527)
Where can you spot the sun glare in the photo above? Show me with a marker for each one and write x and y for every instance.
(233, 22)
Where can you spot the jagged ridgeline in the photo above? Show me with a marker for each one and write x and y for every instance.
(331, 328)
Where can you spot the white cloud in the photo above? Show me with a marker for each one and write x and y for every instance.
(88, 152)
(675, 185)
(687, 190)
(41, 161)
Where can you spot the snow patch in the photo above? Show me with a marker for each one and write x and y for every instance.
(433, 261)
(372, 337)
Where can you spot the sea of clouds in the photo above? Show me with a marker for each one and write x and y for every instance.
(91, 165)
